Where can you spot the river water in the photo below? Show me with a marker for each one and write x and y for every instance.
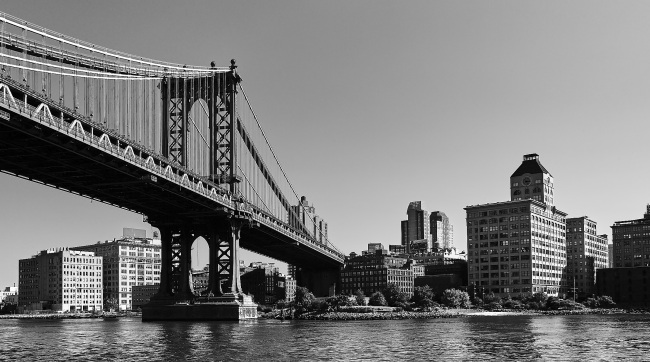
(586, 338)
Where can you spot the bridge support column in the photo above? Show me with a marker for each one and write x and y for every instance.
(185, 287)
(228, 257)
(214, 282)
(165, 290)
(224, 299)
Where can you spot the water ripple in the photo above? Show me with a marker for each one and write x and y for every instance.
(491, 338)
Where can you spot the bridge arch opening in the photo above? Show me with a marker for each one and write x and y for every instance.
(200, 265)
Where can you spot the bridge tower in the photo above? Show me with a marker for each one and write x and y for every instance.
(223, 298)
(219, 91)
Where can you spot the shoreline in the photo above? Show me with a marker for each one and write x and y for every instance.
(343, 316)
(461, 313)
(65, 316)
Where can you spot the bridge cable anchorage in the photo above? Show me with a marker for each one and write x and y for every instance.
(278, 162)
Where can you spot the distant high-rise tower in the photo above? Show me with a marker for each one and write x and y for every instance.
(306, 215)
(417, 226)
(441, 230)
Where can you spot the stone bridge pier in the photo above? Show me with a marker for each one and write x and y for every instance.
(176, 298)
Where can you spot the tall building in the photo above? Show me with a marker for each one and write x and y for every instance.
(60, 280)
(129, 261)
(417, 226)
(586, 252)
(519, 246)
(441, 230)
(532, 181)
(314, 224)
(424, 232)
(631, 240)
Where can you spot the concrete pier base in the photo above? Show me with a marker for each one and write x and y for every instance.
(225, 308)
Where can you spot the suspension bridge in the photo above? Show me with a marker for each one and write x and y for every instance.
(179, 144)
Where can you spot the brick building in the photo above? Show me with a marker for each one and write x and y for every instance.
(631, 241)
(373, 272)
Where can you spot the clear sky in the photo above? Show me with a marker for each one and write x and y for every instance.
(373, 104)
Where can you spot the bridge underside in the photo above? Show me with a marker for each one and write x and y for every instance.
(46, 156)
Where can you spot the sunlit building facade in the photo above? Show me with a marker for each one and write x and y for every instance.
(60, 280)
(442, 230)
(132, 260)
(586, 252)
(518, 247)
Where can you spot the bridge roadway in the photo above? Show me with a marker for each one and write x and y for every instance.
(52, 145)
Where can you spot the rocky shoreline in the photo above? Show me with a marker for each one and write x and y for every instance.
(456, 313)
(65, 316)
(340, 316)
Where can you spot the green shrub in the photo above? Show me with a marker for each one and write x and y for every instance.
(455, 298)
(377, 299)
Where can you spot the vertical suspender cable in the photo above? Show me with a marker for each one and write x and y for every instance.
(23, 70)
(61, 82)
(129, 111)
(43, 67)
(103, 95)
(74, 80)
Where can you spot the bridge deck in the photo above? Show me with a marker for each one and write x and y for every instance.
(29, 148)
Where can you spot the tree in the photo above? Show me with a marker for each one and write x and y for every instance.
(340, 301)
(423, 297)
(553, 303)
(111, 304)
(605, 301)
(540, 297)
(304, 299)
(455, 298)
(8, 308)
(395, 297)
(377, 299)
(360, 297)
(491, 298)
(512, 304)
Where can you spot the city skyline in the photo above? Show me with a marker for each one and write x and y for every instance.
(447, 95)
